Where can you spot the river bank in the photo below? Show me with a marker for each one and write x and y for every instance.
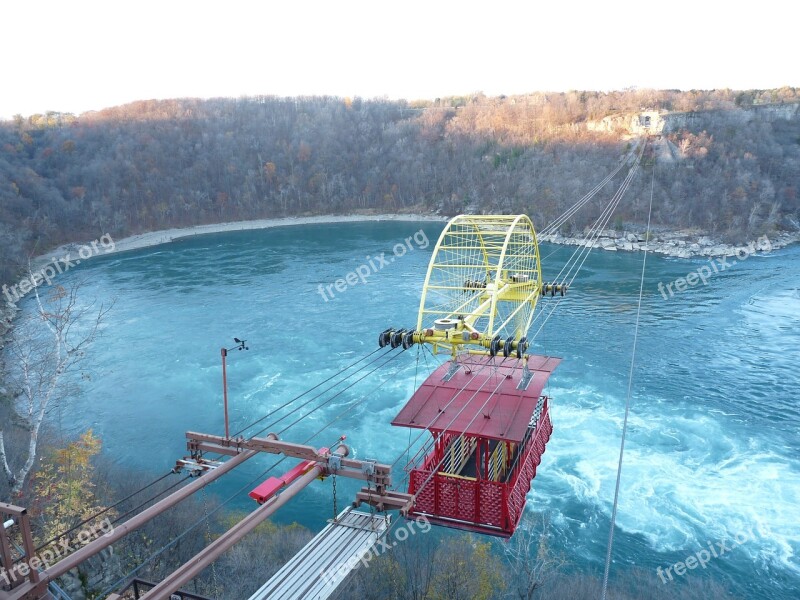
(165, 236)
(75, 252)
(678, 244)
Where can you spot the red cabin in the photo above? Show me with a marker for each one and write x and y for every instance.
(490, 423)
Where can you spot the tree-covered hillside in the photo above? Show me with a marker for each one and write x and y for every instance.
(156, 164)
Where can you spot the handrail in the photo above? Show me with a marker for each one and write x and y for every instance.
(528, 442)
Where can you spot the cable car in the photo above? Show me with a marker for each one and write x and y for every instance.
(489, 425)
(485, 408)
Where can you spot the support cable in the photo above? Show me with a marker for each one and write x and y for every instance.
(149, 500)
(627, 401)
(570, 212)
(269, 414)
(101, 512)
(603, 219)
(355, 404)
(325, 402)
(575, 263)
(228, 500)
(233, 496)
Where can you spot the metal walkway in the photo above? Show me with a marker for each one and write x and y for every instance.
(316, 571)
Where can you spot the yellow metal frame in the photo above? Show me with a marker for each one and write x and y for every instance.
(505, 251)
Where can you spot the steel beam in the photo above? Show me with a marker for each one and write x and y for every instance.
(379, 474)
(210, 553)
(390, 500)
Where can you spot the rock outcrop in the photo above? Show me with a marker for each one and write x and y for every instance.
(679, 244)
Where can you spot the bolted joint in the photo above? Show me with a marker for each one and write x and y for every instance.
(334, 463)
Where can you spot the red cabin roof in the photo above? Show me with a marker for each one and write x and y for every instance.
(483, 402)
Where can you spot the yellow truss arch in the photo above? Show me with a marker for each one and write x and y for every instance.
(483, 282)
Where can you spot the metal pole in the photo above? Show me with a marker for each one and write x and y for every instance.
(6, 558)
(27, 544)
(92, 548)
(210, 553)
(224, 353)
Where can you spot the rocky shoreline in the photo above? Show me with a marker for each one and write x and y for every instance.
(677, 244)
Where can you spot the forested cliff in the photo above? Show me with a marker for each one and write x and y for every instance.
(725, 163)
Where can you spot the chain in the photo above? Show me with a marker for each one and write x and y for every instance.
(335, 512)
(371, 506)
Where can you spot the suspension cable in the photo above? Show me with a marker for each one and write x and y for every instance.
(604, 217)
(101, 512)
(329, 400)
(566, 215)
(339, 393)
(149, 500)
(254, 480)
(580, 256)
(227, 501)
(575, 262)
(355, 404)
(627, 399)
(269, 414)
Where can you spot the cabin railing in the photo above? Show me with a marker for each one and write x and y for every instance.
(498, 461)
(491, 506)
(459, 498)
(457, 454)
(529, 458)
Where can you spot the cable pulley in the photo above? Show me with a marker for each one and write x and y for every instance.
(384, 338)
(554, 288)
(408, 340)
(397, 338)
(494, 346)
(522, 346)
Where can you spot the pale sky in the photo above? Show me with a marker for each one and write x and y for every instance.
(74, 56)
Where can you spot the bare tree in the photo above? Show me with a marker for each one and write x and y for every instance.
(531, 560)
(48, 343)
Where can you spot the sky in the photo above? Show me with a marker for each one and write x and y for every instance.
(81, 55)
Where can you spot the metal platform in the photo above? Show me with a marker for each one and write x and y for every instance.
(316, 571)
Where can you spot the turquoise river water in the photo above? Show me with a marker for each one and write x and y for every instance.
(713, 451)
